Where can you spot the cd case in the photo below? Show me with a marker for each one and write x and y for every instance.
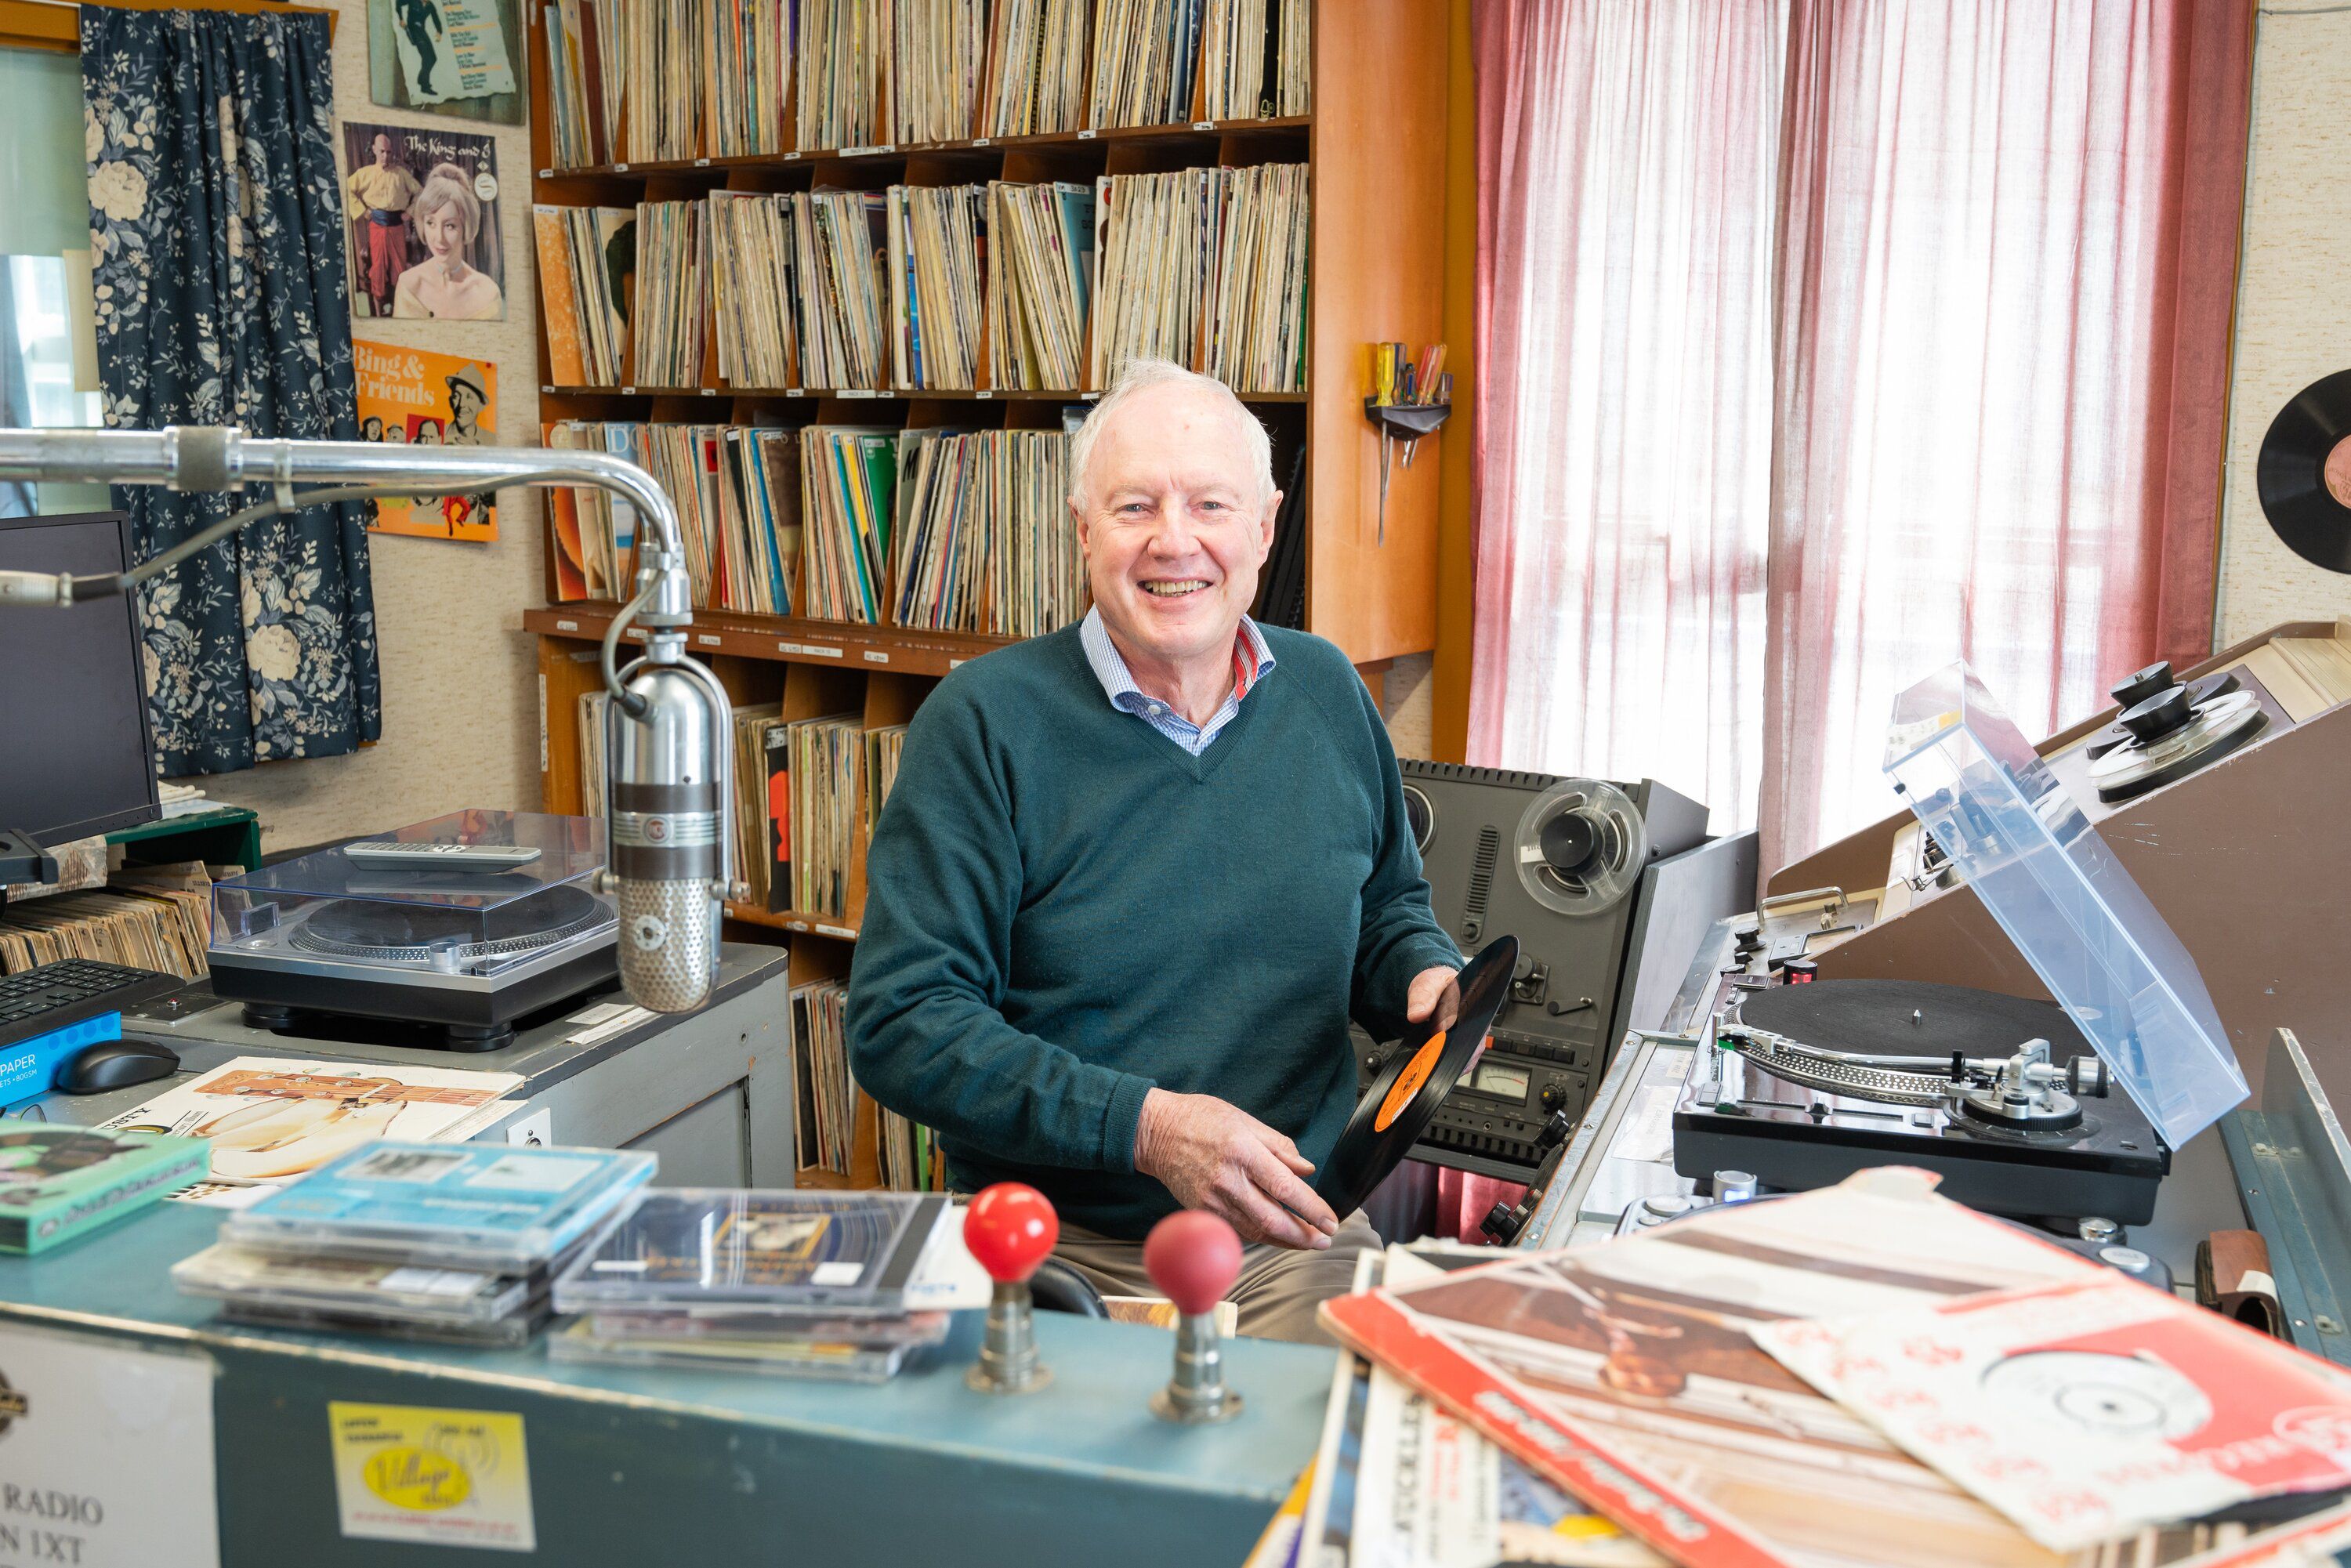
(786, 1251)
(383, 1286)
(503, 1333)
(462, 1205)
(829, 1360)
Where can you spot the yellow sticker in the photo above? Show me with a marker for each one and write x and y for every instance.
(452, 1477)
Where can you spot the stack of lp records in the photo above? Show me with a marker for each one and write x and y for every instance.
(455, 1243)
(797, 1284)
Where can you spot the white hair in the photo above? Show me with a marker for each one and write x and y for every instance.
(1138, 376)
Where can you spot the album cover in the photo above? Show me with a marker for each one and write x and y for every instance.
(424, 399)
(450, 57)
(420, 211)
(57, 1182)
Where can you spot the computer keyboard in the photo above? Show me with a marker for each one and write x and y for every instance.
(51, 996)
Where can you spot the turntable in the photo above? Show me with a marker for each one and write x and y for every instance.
(466, 948)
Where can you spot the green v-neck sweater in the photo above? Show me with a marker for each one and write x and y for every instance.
(1065, 910)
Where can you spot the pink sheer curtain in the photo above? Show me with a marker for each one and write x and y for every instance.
(1979, 326)
(1924, 303)
(1623, 471)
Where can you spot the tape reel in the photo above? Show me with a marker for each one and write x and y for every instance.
(1580, 847)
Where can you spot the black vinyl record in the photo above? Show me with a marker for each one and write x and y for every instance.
(2305, 482)
(1402, 1099)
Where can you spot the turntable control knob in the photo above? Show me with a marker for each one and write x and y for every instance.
(1568, 840)
(2133, 690)
(1500, 1224)
(1523, 968)
(1554, 1132)
(2163, 713)
(1193, 1257)
(1008, 1229)
(1551, 1097)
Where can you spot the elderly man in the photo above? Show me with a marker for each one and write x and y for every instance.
(1134, 876)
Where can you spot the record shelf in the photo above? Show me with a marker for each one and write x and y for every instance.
(1374, 148)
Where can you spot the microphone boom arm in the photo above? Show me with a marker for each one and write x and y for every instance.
(209, 458)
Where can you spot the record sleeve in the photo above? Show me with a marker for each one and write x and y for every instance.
(784, 1251)
(462, 1204)
(57, 1182)
(316, 1281)
(830, 1360)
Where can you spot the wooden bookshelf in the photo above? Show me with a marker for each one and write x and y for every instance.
(1374, 148)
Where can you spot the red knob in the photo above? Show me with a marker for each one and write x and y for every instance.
(1010, 1228)
(1194, 1257)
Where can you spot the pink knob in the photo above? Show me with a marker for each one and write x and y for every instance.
(1194, 1257)
(1010, 1227)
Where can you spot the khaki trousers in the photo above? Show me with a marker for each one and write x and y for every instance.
(1278, 1289)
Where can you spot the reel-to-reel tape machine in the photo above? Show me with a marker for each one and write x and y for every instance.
(1607, 888)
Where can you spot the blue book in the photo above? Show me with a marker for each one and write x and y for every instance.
(462, 1204)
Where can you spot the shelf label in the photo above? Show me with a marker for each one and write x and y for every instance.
(788, 156)
(807, 650)
(701, 162)
(620, 168)
(1085, 136)
(983, 142)
(856, 392)
(1204, 125)
(984, 393)
(545, 391)
(874, 152)
(876, 656)
(628, 391)
(794, 392)
(843, 932)
(707, 639)
(566, 626)
(710, 391)
(547, 174)
(958, 663)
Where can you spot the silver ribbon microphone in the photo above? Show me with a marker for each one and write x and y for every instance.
(669, 794)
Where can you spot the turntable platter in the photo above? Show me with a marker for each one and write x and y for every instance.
(1910, 1018)
(406, 933)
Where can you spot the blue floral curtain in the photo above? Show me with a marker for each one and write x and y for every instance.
(216, 228)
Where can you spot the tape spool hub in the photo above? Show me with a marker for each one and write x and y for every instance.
(1580, 846)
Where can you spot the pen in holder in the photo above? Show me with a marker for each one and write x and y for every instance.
(1405, 422)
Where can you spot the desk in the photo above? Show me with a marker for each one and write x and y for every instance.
(710, 1092)
(655, 1467)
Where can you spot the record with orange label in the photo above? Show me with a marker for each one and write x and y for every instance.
(1403, 1096)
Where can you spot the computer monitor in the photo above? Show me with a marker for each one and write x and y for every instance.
(77, 756)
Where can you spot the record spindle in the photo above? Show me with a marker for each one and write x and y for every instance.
(1194, 1257)
(1010, 1228)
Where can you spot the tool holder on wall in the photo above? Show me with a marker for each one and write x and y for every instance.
(1405, 421)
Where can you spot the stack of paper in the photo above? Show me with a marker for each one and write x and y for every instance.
(751, 253)
(748, 82)
(1037, 67)
(938, 236)
(1145, 54)
(842, 58)
(848, 483)
(840, 262)
(670, 304)
(940, 55)
(587, 259)
(1040, 287)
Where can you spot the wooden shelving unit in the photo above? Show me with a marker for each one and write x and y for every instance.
(1375, 146)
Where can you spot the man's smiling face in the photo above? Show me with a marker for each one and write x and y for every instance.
(1175, 524)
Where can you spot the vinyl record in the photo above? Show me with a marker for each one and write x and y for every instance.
(1403, 1096)
(2304, 473)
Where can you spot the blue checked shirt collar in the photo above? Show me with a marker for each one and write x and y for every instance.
(1118, 684)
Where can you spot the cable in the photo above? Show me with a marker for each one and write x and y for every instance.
(287, 499)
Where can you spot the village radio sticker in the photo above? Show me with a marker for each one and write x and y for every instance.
(450, 1478)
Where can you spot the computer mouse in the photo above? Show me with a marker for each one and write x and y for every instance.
(116, 1064)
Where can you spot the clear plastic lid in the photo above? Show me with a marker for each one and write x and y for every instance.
(2064, 900)
(569, 848)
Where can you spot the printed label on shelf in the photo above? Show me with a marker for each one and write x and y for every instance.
(868, 151)
(1085, 136)
(984, 392)
(876, 656)
(1204, 125)
(840, 931)
(450, 1478)
(701, 162)
(708, 639)
(566, 626)
(857, 391)
(807, 650)
(956, 663)
(983, 142)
